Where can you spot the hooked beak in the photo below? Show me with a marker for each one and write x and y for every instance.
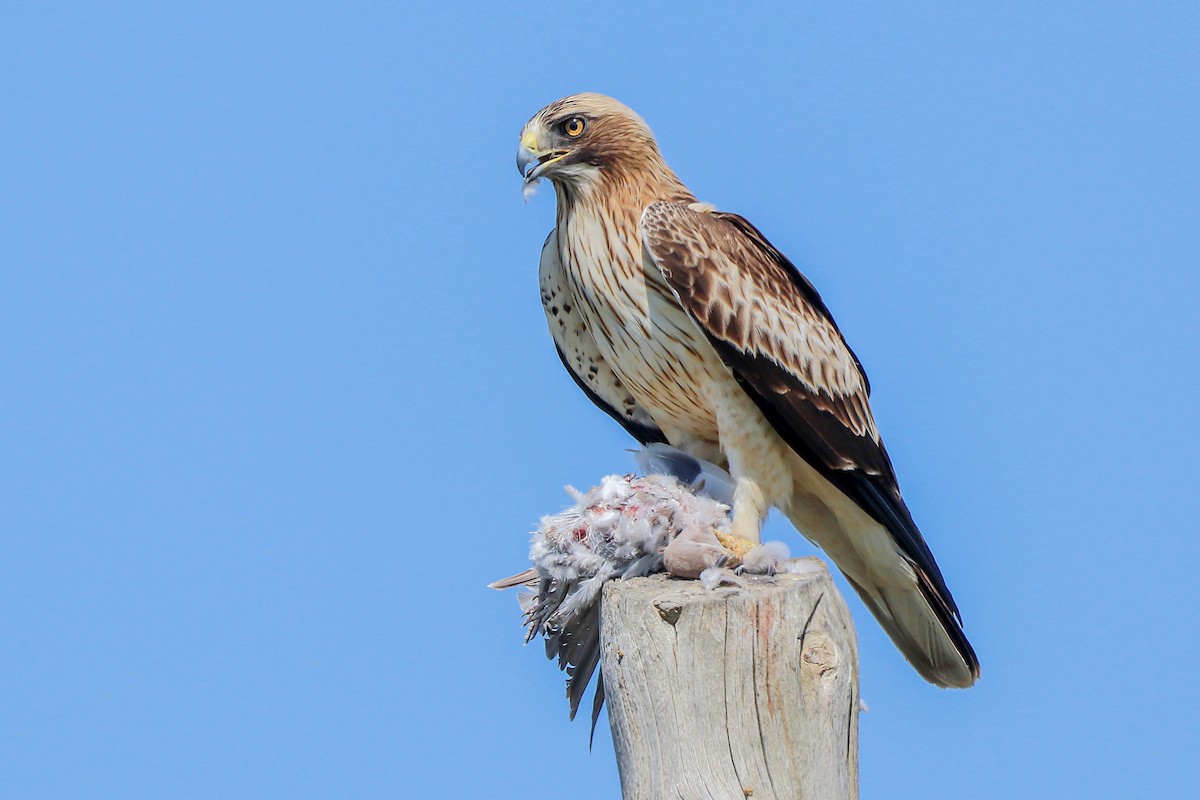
(532, 161)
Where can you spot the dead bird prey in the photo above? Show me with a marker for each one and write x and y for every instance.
(627, 527)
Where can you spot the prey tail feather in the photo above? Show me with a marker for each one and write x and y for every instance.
(527, 578)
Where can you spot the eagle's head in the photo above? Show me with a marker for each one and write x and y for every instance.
(584, 141)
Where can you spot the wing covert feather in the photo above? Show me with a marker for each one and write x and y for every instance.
(757, 308)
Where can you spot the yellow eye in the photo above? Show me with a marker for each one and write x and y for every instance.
(573, 127)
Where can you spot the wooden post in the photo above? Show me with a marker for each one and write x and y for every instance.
(732, 693)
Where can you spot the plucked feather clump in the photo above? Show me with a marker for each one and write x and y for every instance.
(620, 528)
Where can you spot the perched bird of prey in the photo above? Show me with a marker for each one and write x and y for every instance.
(687, 326)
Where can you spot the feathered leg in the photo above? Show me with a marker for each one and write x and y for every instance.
(757, 462)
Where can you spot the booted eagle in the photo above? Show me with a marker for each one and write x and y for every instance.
(688, 327)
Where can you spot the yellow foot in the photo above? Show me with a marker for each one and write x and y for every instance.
(736, 546)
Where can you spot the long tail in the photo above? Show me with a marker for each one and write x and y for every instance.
(920, 620)
(929, 637)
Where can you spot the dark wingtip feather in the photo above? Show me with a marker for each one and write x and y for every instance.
(580, 655)
(597, 704)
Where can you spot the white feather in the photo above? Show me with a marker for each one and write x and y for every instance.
(529, 189)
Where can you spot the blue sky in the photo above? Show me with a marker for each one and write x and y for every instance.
(279, 399)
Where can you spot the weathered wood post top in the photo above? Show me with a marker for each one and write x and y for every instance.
(733, 692)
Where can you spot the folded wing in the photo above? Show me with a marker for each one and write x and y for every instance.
(776, 335)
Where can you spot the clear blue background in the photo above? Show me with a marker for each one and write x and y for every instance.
(278, 398)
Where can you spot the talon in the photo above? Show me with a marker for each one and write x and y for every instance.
(736, 546)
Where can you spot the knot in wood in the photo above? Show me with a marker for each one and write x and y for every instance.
(820, 653)
(669, 610)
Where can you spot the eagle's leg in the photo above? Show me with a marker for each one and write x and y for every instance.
(749, 512)
(757, 461)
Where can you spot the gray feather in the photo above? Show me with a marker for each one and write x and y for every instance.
(702, 477)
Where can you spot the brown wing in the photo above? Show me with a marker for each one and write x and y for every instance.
(579, 354)
(774, 332)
